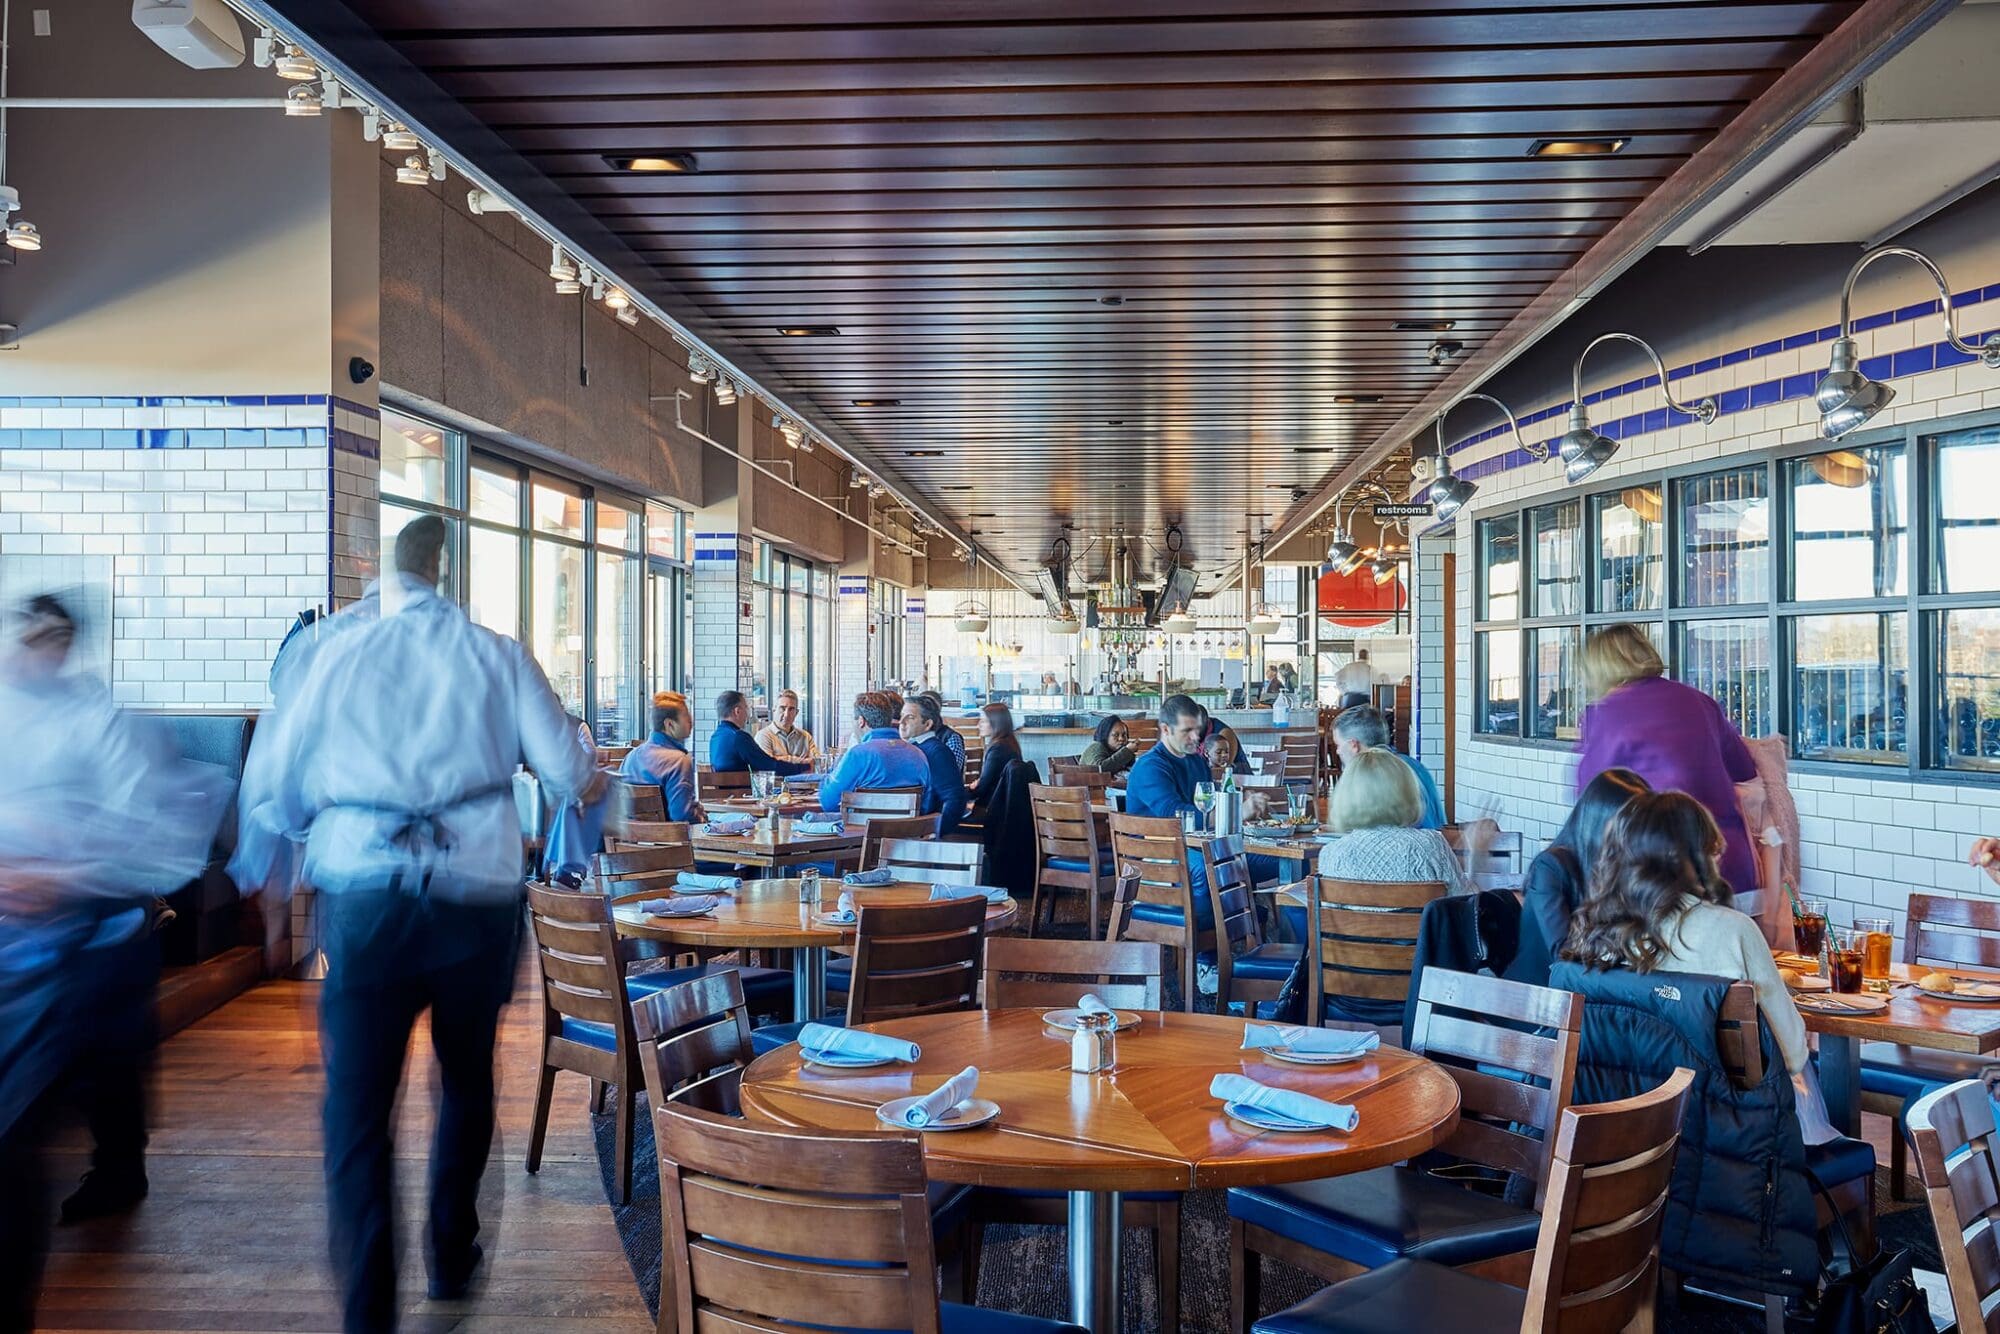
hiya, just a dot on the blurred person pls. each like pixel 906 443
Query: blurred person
pixel 879 757
pixel 576 829
pixel 782 738
pixel 923 727
pixel 1675 737
pixel 1110 750
pixel 662 759
pixel 395 761
pixel 97 816
pixel 731 748
pixel 1363 727
pixel 1986 856
pixel 1356 678
pixel 1558 880
pixel 952 740
pixel 996 729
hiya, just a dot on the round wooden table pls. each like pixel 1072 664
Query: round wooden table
pixel 767 915
pixel 1148 1124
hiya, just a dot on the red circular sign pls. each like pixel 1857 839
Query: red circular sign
pixel 1357 601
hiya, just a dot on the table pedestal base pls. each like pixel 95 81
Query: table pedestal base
pixel 808 983
pixel 1096 1269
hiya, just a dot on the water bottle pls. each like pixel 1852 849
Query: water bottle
pixel 1281 710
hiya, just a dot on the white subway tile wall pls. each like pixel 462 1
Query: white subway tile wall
pixel 723 640
pixel 850 648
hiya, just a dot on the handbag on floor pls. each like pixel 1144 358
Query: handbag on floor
pixel 1877 1296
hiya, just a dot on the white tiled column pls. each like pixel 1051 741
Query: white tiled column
pixel 914 666
pixel 354 472
pixel 722 630
pixel 850 646
pixel 1428 733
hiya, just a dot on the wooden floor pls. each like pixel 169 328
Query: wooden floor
pixel 233 1236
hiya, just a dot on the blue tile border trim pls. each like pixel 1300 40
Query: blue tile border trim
pixel 172 401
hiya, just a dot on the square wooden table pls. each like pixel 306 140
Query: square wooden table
pixel 787 848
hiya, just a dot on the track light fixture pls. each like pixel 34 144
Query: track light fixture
pixel 294 64
pixel 855 481
pixel 401 139
pixel 1845 396
pixel 304 100
pixel 1583 450
pixel 413 172
pixel 725 391
pixel 437 164
pixel 615 298
pixel 1448 493
pixel 790 430
pixel 700 369
pixel 628 315
pixel 563 269
pixel 20 233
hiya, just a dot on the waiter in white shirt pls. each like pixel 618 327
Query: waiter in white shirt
pixel 1356 678
pixel 394 760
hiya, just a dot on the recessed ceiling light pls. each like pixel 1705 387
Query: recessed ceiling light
pixel 1426 326
pixel 957 486
pixel 876 402
pixel 1115 421
pixel 1598 147
pixel 1111 299
pixel 809 331
pixel 1357 398
pixel 678 164
pixel 1311 449
pixel 923 453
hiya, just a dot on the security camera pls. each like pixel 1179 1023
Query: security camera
pixel 1440 352
pixel 360 370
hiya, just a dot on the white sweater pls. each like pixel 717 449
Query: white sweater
pixel 1722 942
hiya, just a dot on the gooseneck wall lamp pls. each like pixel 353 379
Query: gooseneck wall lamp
pixel 1342 555
pixel 1584 450
pixel 1845 396
pixel 1448 493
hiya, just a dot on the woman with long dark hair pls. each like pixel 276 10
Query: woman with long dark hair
pixel 1559 878
pixel 996 729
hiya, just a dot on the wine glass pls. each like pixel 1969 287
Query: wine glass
pixel 1204 797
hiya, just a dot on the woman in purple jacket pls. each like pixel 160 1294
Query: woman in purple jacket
pixel 1673 736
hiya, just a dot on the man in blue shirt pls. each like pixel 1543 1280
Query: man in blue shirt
pixel 1161 783
pixel 922 725
pixel 1364 728
pixel 731 748
pixel 881 758
pixel 664 758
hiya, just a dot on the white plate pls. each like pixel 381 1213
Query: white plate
pixel 970 1113
pixel 1264 1119
pixel 1986 994
pixel 1291 1057
pixel 844 1060
pixel 832 919
pixel 680 916
pixel 1066 1019
pixel 1807 981
pixel 1842 1003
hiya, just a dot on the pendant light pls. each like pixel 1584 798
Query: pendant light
pixel 1583 450
pixel 1448 493
pixel 971 616
pixel 20 234
pixel 1846 397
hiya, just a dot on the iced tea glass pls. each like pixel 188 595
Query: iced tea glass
pixel 1881 939
pixel 1844 960
pixel 1809 927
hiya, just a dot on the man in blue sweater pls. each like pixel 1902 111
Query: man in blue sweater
pixel 731 748
pixel 922 725
pixel 1161 784
pixel 663 758
pixel 881 758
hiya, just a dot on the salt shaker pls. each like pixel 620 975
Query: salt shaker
pixel 1094 1046
pixel 808 884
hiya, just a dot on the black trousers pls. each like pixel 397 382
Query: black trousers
pixel 390 957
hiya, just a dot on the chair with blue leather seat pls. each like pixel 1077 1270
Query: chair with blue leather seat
pixel 634 875
pixel 1364 934
pixel 772 1229
pixel 1052 974
pixel 1893 1076
pixel 1248 969
pixel 921 860
pixel 1512 1049
pixel 631 835
pixel 1156 892
pixel 1067 853
pixel 1597 1252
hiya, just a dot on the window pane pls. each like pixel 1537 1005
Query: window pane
pixel 1557 533
pixel 1849 683
pixel 663 532
pixel 617 524
pixel 558 620
pixel 1725 538
pixel 1849 515
pixel 1629 559
pixel 495 495
pixel 1558 681
pixel 1731 662
pixel 1500 569
pixel 391 522
pixel 1967 478
pixel 798 645
pixel 760 651
pixel 1500 677
pixel 416 459
pixel 493 580
pixel 618 706
pixel 1968 657
pixel 555 507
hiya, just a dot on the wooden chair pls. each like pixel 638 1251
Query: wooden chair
pixel 720 782
pixel 632 875
pixel 881 829
pixel 1065 762
pixel 1597 1253
pixel 1088 779
pixel 1247 968
pixel 640 801
pixel 1267 762
pixel 1939 932
pixel 917 959
pixel 975 760
pixel 633 834
pixel 1301 757
pixel 931 862
pixel 1512 1049
pixel 694 1040
pixel 1503 847
pixel 610 757
pixel 1366 942
pixel 1157 902
pixel 863 804
pixel 642 872
pixel 1952 1131
pixel 1067 854
pixel 1051 974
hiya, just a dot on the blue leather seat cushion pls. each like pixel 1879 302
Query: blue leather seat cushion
pixel 1374 1217
pixel 956 1319
pixel 1907 1072
pixel 600 1036
pixel 1841 1159
pixel 1403 1298
pixel 773 1036
pixel 759 984
pixel 1266 963
pixel 1079 864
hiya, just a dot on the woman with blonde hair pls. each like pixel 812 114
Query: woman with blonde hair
pixel 1375 808
pixel 1672 735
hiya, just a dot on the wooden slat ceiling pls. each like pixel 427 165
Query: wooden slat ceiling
pixel 955 184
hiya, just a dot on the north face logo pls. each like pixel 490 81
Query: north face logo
pixel 1667 993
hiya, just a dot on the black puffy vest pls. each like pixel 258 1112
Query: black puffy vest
pixel 1741 1206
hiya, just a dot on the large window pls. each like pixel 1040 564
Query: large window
pixel 790 640
pixel 1848 597
pixel 887 619
pixel 421 463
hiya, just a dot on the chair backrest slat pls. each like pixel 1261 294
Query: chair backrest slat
pixel 1023 973
pixel 916 959
pixel 1924 942
pixel 1953 1143
pixel 879 829
pixel 582 959
pixel 932 862
pixel 641 801
pixel 690 1032
pixel 863 804
pixel 720 782
pixel 1089 780
pixel 631 834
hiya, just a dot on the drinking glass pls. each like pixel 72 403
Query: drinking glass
pixel 1299 802
pixel 1204 796
pixel 1809 925
pixel 1881 937
pixel 1844 960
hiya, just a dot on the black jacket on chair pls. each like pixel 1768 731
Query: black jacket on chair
pixel 1740 1210
pixel 1465 933
pixel 1009 832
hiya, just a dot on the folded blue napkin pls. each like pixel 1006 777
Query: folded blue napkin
pixel 726 884
pixel 730 825
pixel 938 1105
pixel 697 905
pixel 1090 1003
pixel 853 1042
pixel 1301 1107
pixel 808 824
pixel 991 893
pixel 881 875
pixel 1316 1041
pixel 843 912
